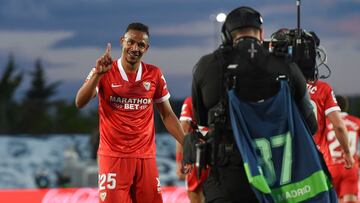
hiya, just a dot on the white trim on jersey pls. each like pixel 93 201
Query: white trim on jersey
pixel 123 73
pixel 162 99
pixel 139 73
pixel 203 129
pixel 332 109
pixel 185 118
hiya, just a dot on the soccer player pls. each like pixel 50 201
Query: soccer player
pixel 193 184
pixel 127 88
pixel 345 181
pixel 325 106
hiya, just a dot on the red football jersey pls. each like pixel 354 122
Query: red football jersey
pixel 126 112
pixel 324 102
pixel 334 153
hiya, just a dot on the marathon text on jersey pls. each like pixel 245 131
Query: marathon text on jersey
pixel 130 103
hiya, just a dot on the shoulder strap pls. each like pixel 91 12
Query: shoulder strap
pixel 221 56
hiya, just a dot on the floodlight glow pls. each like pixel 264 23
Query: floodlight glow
pixel 220 17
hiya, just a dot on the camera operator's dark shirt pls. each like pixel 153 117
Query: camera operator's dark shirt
pixel 255 82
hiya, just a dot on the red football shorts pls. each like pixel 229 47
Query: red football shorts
pixel 345 181
pixel 128 180
pixel 192 182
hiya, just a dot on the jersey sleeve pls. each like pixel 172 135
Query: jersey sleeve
pixel 330 101
pixel 161 93
pixel 186 110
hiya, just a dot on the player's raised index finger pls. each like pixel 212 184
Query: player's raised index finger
pixel 108 48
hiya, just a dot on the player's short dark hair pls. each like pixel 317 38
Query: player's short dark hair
pixel 343 102
pixel 139 27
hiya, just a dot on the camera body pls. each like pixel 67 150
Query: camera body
pixel 298 46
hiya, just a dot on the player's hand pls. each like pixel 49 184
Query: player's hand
pixel 349 160
pixel 187 168
pixel 179 171
pixel 104 63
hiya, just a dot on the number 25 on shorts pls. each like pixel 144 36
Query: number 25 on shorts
pixel 107 181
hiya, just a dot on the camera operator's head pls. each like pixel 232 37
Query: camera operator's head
pixel 242 22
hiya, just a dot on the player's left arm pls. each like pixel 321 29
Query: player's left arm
pixel 341 135
pixel 171 121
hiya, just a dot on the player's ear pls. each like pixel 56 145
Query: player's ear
pixel 122 39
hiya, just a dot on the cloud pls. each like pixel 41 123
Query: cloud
pixel 194 28
pixel 278 9
pixel 343 27
pixel 334 2
pixel 24 9
pixel 30 44
pixel 62 64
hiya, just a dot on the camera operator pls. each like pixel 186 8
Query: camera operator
pixel 227 181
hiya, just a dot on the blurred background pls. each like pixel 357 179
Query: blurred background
pixel 47 48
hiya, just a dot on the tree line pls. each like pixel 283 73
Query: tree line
pixel 36 112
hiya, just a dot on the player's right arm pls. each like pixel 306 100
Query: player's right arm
pixel 341 135
pixel 88 90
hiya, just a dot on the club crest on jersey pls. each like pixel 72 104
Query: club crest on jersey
pixel 147 85
pixel 102 196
